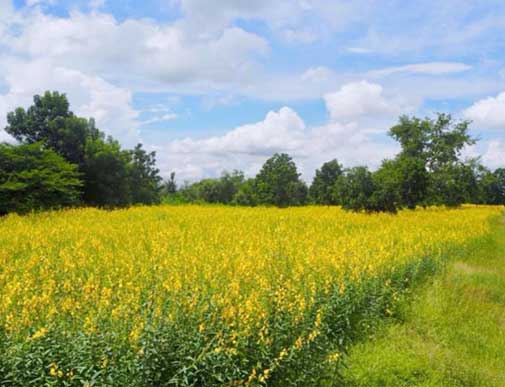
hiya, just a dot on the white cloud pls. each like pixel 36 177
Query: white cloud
pixel 140 49
pixel 359 50
pixel 433 68
pixel 163 118
pixel 494 155
pixel 488 113
pixel 248 146
pixel 90 96
pixel 360 99
pixel 317 74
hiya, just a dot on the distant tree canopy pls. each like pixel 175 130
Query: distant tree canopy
pixel 278 183
pixel 63 160
pixel 427 171
pixel 109 175
pixel 321 190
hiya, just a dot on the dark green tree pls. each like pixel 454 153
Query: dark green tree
pixel 387 188
pixel 221 190
pixel 35 178
pixel 106 174
pixel 112 177
pixel 170 186
pixel 354 189
pixel 247 194
pixel 432 147
pixel 144 179
pixel 321 189
pixel 50 121
pixel 278 182
pixel 498 196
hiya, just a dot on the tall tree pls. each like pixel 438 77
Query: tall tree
pixel 321 189
pixel 112 176
pixel 144 177
pixel 106 174
pixel 278 182
pixel 33 177
pixel 50 121
pixel 432 146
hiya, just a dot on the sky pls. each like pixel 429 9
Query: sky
pixel 214 85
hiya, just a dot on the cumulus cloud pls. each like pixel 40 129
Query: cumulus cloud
pixel 494 155
pixel 488 112
pixel 91 96
pixel 142 49
pixel 360 99
pixel 247 147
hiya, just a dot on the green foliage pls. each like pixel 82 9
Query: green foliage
pixel 221 190
pixel 50 122
pixel 354 188
pixel 278 182
pixel 33 178
pixel 321 190
pixel 170 186
pixel 144 179
pixel 387 185
pixel 431 169
pixel 247 195
pixel 111 176
pixel 106 174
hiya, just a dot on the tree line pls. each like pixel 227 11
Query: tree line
pixel 429 170
pixel 63 160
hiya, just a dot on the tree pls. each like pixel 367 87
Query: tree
pixel 386 195
pixel 112 176
pixel 247 194
pixel 278 182
pixel 499 188
pixel 50 122
pixel 221 190
pixel 491 186
pixel 106 174
pixel 144 177
pixel 430 159
pixel 170 186
pixel 321 189
pixel 34 178
pixel 354 188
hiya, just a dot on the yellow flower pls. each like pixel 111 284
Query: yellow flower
pixel 39 334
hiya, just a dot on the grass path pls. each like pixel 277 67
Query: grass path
pixel 450 333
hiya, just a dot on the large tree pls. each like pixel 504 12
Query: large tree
pixel 50 121
pixel 144 177
pixel 278 182
pixel 33 177
pixel 111 176
pixel 430 159
pixel 321 189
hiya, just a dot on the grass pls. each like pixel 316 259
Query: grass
pixel 448 333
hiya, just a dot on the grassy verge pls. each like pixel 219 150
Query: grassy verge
pixel 450 333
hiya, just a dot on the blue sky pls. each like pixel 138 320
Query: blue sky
pixel 218 85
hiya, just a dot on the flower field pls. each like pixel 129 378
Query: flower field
pixel 203 295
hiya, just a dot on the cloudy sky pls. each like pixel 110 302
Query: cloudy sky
pixel 223 84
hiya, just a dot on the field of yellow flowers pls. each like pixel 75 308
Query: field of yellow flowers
pixel 207 295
